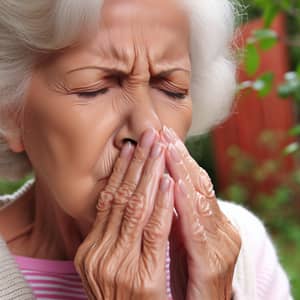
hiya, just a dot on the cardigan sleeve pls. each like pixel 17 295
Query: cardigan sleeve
pixel 12 283
pixel 271 281
pixel 258 274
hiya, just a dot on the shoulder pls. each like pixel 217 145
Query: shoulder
pixel 258 271
pixel 244 220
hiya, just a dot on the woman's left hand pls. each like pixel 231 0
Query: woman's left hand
pixel 207 244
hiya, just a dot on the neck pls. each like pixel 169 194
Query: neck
pixel 49 232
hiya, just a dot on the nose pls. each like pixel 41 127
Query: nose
pixel 141 117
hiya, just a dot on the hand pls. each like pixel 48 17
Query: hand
pixel 207 244
pixel 124 255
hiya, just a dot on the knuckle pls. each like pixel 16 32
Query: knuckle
pixel 113 183
pixel 154 232
pixel 186 156
pixel 127 189
pixel 206 187
pixel 138 200
pixel 198 232
pixel 136 208
pixel 203 206
pixel 187 178
pixel 105 200
pixel 124 192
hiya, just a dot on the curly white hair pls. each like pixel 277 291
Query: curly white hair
pixel 30 29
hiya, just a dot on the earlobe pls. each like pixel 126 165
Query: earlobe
pixel 15 142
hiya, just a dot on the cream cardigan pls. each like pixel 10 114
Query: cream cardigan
pixel 258 274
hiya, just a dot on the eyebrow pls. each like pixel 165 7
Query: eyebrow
pixel 105 69
pixel 159 73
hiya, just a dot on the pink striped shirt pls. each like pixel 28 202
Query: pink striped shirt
pixel 56 279
pixel 51 279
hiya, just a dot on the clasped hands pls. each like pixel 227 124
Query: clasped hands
pixel 124 255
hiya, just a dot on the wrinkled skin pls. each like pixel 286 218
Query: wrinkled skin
pixel 204 244
pixel 112 212
pixel 123 256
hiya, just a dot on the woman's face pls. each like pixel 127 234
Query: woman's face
pixel 82 104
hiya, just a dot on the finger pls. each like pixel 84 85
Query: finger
pixel 107 195
pixel 130 181
pixel 171 137
pixel 177 169
pixel 193 232
pixel 181 175
pixel 103 210
pixel 140 204
pixel 197 173
pixel 157 230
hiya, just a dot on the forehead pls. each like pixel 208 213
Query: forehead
pixel 155 12
pixel 160 28
pixel 153 29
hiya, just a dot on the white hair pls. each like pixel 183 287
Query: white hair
pixel 31 28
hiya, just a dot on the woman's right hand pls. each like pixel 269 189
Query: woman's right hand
pixel 124 255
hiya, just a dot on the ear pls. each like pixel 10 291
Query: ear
pixel 13 135
pixel 15 141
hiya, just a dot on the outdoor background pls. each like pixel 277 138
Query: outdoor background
pixel 254 157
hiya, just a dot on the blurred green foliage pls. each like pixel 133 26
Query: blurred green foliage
pixel 8 187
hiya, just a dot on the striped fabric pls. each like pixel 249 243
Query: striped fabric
pixel 55 279
pixel 51 279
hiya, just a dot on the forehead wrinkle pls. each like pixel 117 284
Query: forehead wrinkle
pixel 109 53
pixel 133 44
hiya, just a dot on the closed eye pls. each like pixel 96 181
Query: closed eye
pixel 92 94
pixel 179 96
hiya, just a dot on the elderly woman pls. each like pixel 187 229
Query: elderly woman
pixel 96 99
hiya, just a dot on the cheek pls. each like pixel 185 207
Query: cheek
pixel 78 198
pixel 68 145
pixel 176 114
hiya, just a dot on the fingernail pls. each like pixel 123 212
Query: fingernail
pixel 182 188
pixel 168 135
pixel 156 150
pixel 165 183
pixel 126 150
pixel 174 153
pixel 148 138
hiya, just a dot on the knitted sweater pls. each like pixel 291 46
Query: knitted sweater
pixel 258 274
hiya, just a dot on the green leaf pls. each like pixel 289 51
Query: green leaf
pixel 267 38
pixel 264 84
pixel 295 131
pixel 298 70
pixel 252 59
pixel 291 148
pixel 270 12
